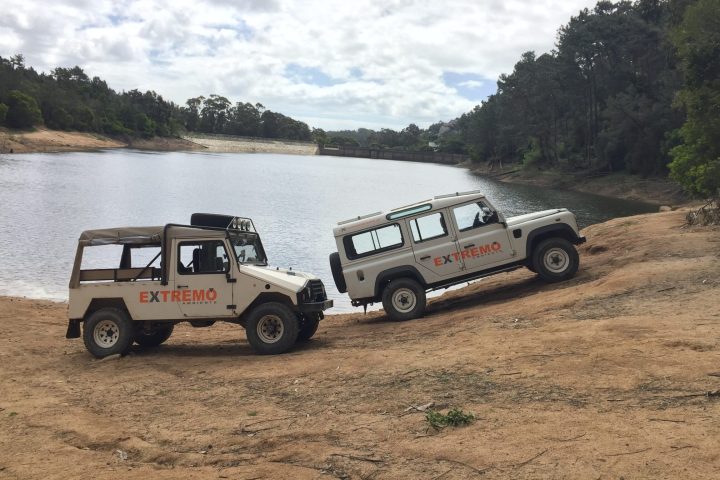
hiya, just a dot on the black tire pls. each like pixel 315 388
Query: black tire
pixel 152 334
pixel 272 328
pixel 308 326
pixel 337 272
pixel 555 260
pixel 404 299
pixel 108 331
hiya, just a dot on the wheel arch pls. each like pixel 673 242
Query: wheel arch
pixel 562 230
pixel 387 276
pixel 267 297
pixel 98 303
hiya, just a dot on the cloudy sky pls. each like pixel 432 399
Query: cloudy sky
pixel 333 64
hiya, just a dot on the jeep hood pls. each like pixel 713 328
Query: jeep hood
pixel 513 221
pixel 281 277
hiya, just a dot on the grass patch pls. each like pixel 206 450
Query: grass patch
pixel 252 414
pixel 454 418
pixel 12 414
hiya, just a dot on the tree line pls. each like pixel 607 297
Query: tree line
pixel 630 86
pixel 68 99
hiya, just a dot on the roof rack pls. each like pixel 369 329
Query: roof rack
pixel 457 194
pixel 355 219
pixel 412 204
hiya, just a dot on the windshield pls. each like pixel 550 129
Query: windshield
pixel 248 248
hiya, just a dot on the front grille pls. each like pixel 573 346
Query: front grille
pixel 317 291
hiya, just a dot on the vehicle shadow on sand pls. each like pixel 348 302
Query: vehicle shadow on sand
pixel 227 348
pixel 494 292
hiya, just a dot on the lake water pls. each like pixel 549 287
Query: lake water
pixel 46 200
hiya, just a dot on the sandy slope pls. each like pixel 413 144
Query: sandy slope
pixel 604 376
pixel 44 140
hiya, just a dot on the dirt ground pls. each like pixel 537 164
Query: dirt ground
pixel 614 374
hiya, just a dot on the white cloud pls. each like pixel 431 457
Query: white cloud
pixel 386 59
pixel 471 84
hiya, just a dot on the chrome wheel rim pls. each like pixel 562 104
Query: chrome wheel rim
pixel 556 260
pixel 270 328
pixel 404 300
pixel 106 333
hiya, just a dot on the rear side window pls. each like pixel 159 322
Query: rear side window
pixel 428 227
pixel 373 241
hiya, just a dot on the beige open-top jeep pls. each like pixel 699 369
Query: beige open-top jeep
pixel 214 269
pixel 396 256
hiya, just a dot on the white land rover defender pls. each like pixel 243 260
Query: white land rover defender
pixel 395 257
pixel 214 269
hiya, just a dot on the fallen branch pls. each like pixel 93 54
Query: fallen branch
pixel 522 464
pixel 355 457
pixel 665 420
pixel 475 469
pixel 627 453
pixel 567 439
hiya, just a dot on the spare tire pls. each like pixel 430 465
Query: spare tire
pixel 337 273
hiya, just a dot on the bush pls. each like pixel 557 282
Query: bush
pixel 23 111
pixel 454 418
pixel 3 112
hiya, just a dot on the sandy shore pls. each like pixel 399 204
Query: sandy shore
pixel 605 376
pixel 228 144
pixel 45 140
pixel 657 190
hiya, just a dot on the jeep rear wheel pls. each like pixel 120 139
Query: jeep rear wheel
pixel 108 331
pixel 152 334
pixel 404 299
pixel 555 259
pixel 272 328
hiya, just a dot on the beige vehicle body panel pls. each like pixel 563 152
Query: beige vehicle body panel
pixel 456 251
pixel 224 294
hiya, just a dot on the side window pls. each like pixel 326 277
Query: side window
pixel 428 227
pixel 473 215
pixel 207 256
pixel 373 241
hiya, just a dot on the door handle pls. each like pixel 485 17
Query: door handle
pixel 425 257
pixel 469 246
pixel 181 286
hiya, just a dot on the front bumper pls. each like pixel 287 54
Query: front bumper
pixel 315 306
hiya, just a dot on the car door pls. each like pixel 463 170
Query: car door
pixel 482 240
pixel 434 245
pixel 201 282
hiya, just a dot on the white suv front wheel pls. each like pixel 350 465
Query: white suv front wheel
pixel 555 259
pixel 404 299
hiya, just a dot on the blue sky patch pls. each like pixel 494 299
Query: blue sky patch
pixel 471 86
pixel 309 75
pixel 240 27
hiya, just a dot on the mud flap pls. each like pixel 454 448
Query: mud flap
pixel 73 330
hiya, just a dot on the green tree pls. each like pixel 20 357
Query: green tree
pixel 3 112
pixel 696 162
pixel 23 111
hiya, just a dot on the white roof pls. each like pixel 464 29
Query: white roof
pixel 379 218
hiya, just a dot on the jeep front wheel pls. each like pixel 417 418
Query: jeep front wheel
pixel 152 334
pixel 555 259
pixel 308 326
pixel 272 328
pixel 108 331
pixel 404 299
